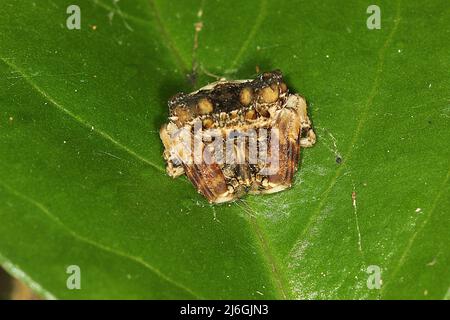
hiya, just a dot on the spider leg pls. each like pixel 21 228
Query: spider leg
pixel 308 137
pixel 290 123
pixel 209 181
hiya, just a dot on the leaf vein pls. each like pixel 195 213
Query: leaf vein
pixel 77 118
pixel 165 34
pixel 256 26
pixel 361 122
pixel 265 249
pixel 419 230
pixel 159 22
pixel 93 243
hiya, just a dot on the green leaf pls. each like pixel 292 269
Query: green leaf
pixel 82 179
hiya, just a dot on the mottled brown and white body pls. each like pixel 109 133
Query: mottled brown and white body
pixel 249 115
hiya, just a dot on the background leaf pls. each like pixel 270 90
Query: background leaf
pixel 82 180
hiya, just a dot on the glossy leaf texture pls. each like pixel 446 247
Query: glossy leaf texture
pixel 82 179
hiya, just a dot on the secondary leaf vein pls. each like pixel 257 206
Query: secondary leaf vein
pixel 256 26
pixel 93 243
pixel 411 241
pixel 78 118
pixel 361 122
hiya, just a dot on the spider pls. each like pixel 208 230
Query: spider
pixel 236 137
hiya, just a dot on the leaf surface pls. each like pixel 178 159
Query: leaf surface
pixel 82 180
